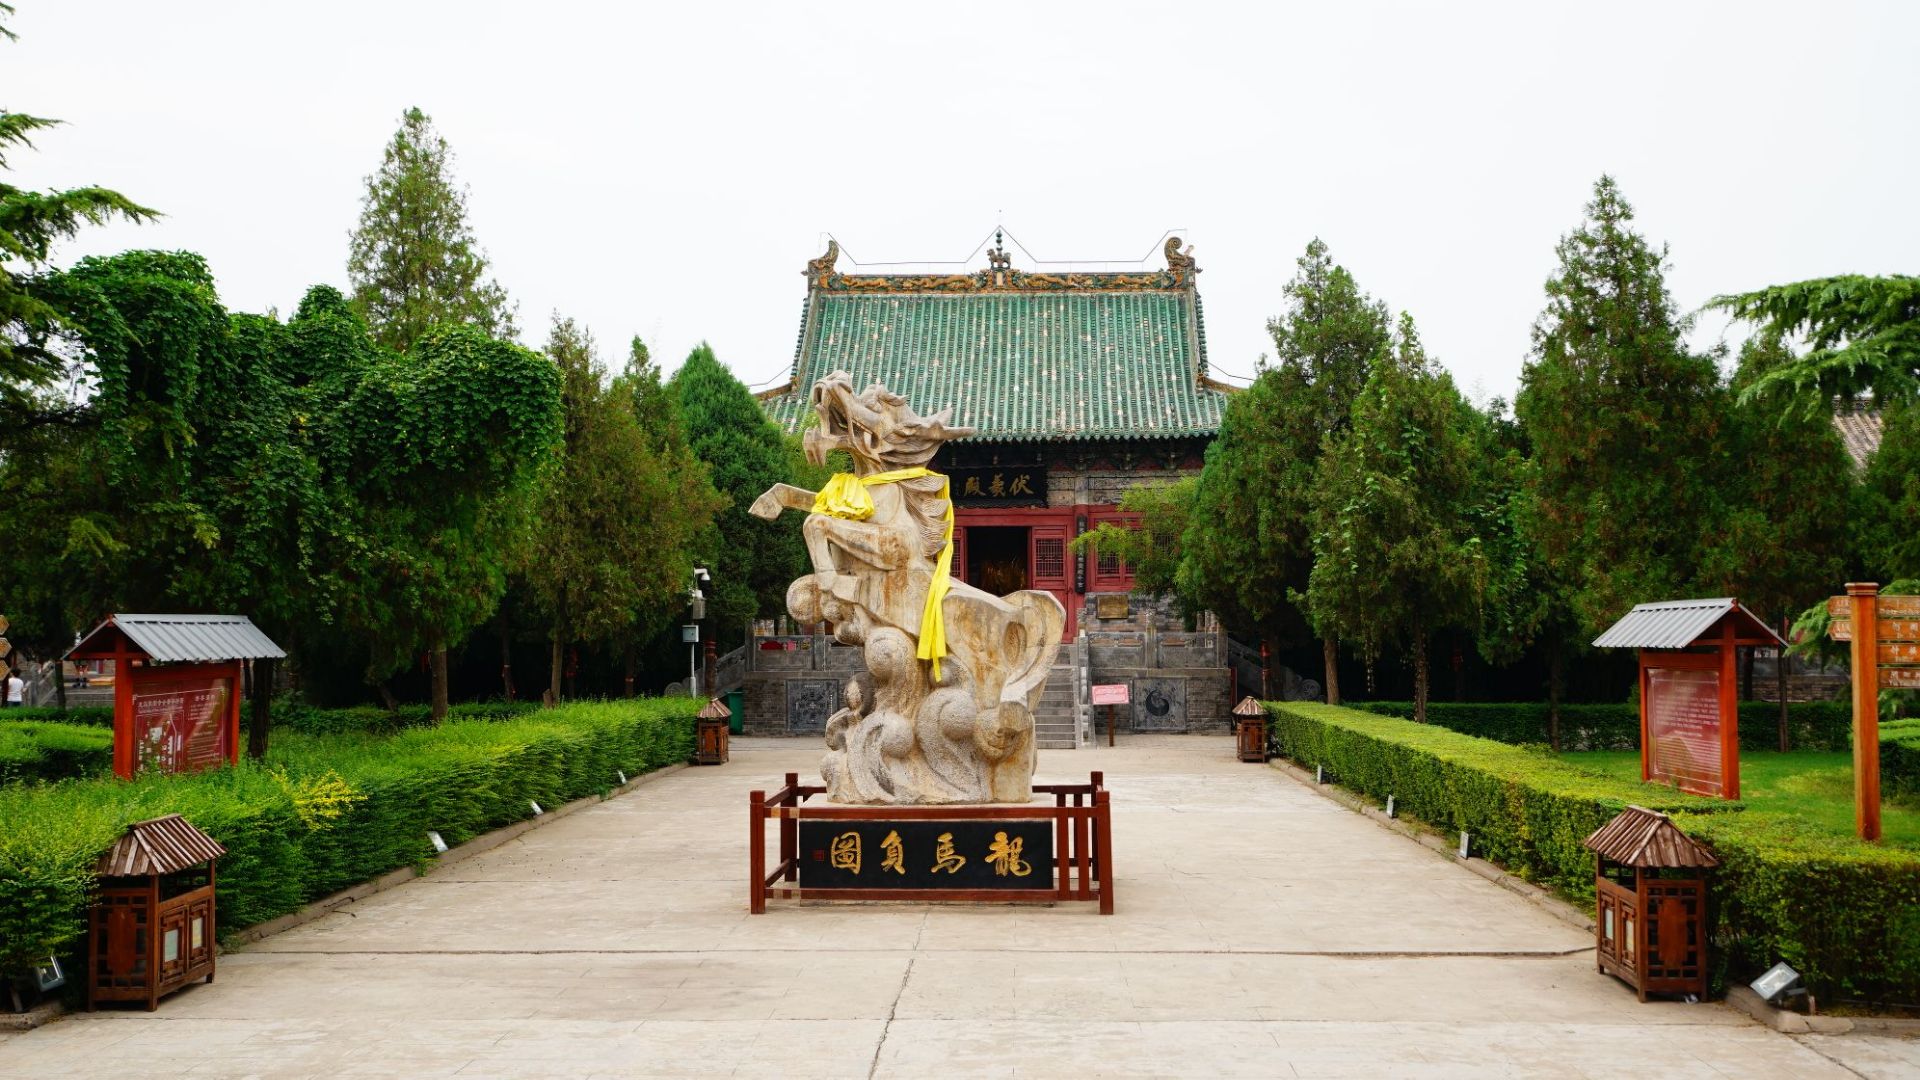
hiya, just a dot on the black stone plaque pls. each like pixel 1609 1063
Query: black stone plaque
pixel 926 854
pixel 1010 485
pixel 809 703
pixel 1160 704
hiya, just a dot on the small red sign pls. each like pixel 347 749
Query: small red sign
pixel 1110 693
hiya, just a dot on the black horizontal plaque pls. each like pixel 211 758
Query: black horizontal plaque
pixel 1012 855
pixel 1011 485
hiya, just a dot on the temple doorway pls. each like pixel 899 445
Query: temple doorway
pixel 997 558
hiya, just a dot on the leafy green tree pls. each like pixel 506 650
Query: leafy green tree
pixel 1623 420
pixel 1396 554
pixel 1526 601
pixel 618 517
pixel 752 561
pixel 36 320
pixel 413 261
pixel 1247 548
pixel 1863 333
pixel 435 458
pixel 1151 547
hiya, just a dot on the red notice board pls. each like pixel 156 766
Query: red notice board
pixel 1689 722
pixel 177 718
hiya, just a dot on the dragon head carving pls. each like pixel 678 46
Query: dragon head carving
pixel 876 426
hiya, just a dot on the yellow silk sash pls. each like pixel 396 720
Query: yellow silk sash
pixel 845 496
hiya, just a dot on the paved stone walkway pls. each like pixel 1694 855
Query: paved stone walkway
pixel 1262 931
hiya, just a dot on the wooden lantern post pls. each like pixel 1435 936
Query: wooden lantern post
pixel 1649 925
pixel 711 726
pixel 1251 726
pixel 151 927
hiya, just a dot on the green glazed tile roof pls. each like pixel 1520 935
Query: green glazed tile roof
pixel 1032 364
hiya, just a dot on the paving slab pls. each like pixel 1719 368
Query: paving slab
pixel 1261 931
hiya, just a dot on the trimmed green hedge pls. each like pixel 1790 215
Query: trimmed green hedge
pixel 1900 757
pixel 80 716
pixel 1527 809
pixel 1811 725
pixel 290 714
pixel 324 812
pixel 37 751
pixel 1845 913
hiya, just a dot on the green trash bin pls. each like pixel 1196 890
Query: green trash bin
pixel 737 706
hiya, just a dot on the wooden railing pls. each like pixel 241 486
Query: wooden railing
pixel 1081 817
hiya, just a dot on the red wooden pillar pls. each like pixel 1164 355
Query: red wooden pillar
pixel 757 846
pixel 1646 762
pixel 1729 713
pixel 233 711
pixel 125 751
pixel 1864 600
pixel 1103 848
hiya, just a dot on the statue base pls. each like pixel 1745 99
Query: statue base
pixel 999 853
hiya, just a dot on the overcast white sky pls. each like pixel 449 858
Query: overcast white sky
pixel 668 169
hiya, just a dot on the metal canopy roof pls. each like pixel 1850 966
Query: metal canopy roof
pixel 1676 624
pixel 1640 837
pixel 183 638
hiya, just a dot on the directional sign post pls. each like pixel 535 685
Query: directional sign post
pixel 1884 632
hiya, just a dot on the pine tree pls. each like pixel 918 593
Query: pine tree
pixel 1886 509
pixel 1623 420
pixel 617 519
pixel 37 316
pixel 752 561
pixel 1247 549
pixel 1396 555
pixel 1864 334
pixel 413 261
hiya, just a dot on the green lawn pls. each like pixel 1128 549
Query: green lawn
pixel 1814 787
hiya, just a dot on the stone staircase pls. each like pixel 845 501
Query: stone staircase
pixel 1056 722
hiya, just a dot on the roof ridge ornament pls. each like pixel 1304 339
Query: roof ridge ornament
pixel 997 258
pixel 820 269
pixel 1178 261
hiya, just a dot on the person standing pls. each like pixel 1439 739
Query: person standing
pixel 16 690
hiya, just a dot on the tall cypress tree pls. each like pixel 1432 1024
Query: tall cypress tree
pixel 752 561
pixel 1396 555
pixel 1247 548
pixel 619 516
pixel 413 261
pixel 1623 420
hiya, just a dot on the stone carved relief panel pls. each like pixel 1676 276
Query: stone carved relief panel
pixel 809 703
pixel 1160 704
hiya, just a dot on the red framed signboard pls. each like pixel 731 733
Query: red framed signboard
pixel 1684 736
pixel 1690 720
pixel 183 718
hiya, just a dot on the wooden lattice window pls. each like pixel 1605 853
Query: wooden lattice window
pixel 1109 565
pixel 1049 557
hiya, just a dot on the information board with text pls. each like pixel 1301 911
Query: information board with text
pixel 1683 730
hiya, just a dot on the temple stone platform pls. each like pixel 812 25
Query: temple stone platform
pixel 1262 931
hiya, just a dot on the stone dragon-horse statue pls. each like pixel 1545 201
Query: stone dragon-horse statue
pixel 944 711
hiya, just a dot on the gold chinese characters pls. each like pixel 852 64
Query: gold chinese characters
pixel 945 858
pixel 1004 854
pixel 845 853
